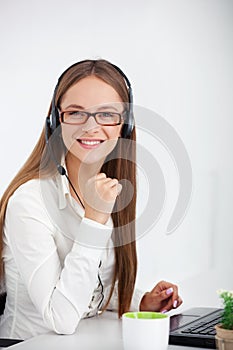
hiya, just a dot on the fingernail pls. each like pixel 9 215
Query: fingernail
pixel 169 291
pixel 164 311
pixel 175 304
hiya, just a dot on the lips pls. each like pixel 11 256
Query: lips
pixel 87 143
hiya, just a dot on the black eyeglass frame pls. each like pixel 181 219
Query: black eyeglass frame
pixel 88 115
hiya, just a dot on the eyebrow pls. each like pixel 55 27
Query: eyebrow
pixel 105 107
pixel 73 106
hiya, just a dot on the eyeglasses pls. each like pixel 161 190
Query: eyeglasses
pixel 81 117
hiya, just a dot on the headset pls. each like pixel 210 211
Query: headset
pixel 53 122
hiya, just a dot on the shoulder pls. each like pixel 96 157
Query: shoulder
pixel 25 191
pixel 31 185
pixel 29 203
pixel 28 195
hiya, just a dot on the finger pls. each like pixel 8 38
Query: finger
pixel 170 298
pixel 103 180
pixel 161 286
pixel 170 305
pixel 114 182
pixel 176 302
pixel 95 178
pixel 119 188
pixel 172 292
pixel 167 306
pixel 107 183
pixel 100 176
pixel 175 296
pixel 166 294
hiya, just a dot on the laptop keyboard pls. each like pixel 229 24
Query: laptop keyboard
pixel 205 327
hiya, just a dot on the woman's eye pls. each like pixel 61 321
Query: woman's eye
pixel 106 115
pixel 76 114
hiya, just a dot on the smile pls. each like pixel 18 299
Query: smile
pixel 90 143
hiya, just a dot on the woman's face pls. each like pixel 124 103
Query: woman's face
pixel 91 142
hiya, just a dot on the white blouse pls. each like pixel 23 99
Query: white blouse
pixel 56 262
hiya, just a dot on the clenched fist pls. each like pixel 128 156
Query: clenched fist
pixel 99 195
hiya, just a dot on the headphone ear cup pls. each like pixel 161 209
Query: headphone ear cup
pixel 54 119
pixel 128 126
pixel 126 130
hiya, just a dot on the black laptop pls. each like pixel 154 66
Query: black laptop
pixel 195 327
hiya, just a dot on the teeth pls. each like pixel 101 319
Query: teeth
pixel 90 143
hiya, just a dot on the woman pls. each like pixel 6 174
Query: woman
pixel 68 224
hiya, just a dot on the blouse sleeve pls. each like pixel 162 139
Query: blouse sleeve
pixel 61 294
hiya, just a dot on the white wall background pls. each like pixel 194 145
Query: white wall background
pixel 178 56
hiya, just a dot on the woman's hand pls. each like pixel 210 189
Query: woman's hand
pixel 100 194
pixel 163 297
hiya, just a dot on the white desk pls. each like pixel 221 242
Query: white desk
pixel 97 333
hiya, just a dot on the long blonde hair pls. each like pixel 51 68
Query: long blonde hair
pixel 121 166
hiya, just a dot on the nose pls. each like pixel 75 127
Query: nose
pixel 91 125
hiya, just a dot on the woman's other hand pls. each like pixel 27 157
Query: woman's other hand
pixel 163 297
